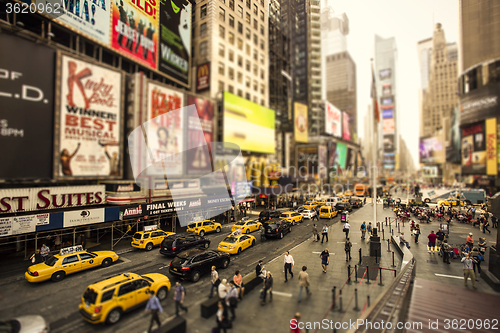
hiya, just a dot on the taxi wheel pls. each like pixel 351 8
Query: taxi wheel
pixel 58 276
pixel 114 316
pixel 149 246
pixel 218 229
pixel 253 242
pixel 196 276
pixel 239 250
pixel 202 233
pixel 106 262
pixel 162 293
pixel 248 231
pixel 225 263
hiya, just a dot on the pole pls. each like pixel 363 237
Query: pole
pixel 112 227
pixel 356 308
pixel 333 296
pixel 349 274
pixel 393 260
pixel 388 248
pixel 355 273
pixel 380 273
pixel 374 156
pixel 359 256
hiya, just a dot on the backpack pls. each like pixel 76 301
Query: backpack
pixel 348 246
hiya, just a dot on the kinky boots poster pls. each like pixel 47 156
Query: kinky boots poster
pixel 89 120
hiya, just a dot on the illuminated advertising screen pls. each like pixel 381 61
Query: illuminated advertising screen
pixel 386 90
pixel 389 144
pixel 387 113
pixel 248 125
pixel 333 120
pixel 431 150
pixel 198 160
pixel 341 155
pixel 385 74
pixel 453 149
pixel 474 148
pixel 332 154
pixel 300 123
pixel 346 131
pixel 430 171
pixel 388 126
pixel 307 160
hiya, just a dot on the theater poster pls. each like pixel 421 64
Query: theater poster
pixel 198 139
pixel 135 30
pixel 89 120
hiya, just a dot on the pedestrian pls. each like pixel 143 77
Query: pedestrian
pixel 348 246
pixel 432 241
pixel 364 201
pixel 268 286
pixel 417 233
pixel 179 298
pixel 440 238
pixel 304 282
pixel 84 240
pixel 315 233
pixel 44 251
pixel 238 281
pixel 324 233
pixel 315 215
pixel 223 322
pixel 289 263
pixel 232 299
pixel 468 262
pixel 482 245
pixel 494 221
pixel 79 239
pixel 369 228
pixel 294 324
pixel 325 259
pixel 223 289
pixel 36 257
pixel 476 255
pixel 154 306
pixel 485 226
pixel 363 230
pixel 469 241
pixel 347 226
pixel 446 252
pixel 214 280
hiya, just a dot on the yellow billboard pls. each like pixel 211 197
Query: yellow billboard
pixel 491 147
pixel 300 123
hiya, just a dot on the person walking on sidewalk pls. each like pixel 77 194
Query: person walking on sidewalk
pixel 44 251
pixel 432 241
pixel 468 262
pixel 347 226
pixel 232 299
pixel 214 280
pixel 486 224
pixel 324 234
pixel 179 298
pixel 369 228
pixel 289 263
pixel 440 238
pixel 223 322
pixel 315 233
pixel 348 246
pixel 416 233
pixel 304 282
pixel 294 324
pixel 223 289
pixel 268 286
pixel 446 252
pixel 154 306
pixel 363 230
pixel 325 259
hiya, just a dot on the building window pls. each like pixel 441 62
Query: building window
pixel 231 4
pixel 240 93
pixel 222 31
pixel 221 68
pixel 240 27
pixel 255 9
pixel 255 55
pixel 262 44
pixel 231 38
pixel 231 55
pixel 247 82
pixel 240 61
pixel 231 73
pixel 230 89
pixel 240 78
pixel 247 66
pixel 223 1
pixel 255 86
pixel 255 99
pixel 240 44
pixel 203 11
pixel 262 102
pixel 222 14
pixel 248 49
pixel 221 86
pixel 262 30
pixel 249 4
pixel 247 18
pixel 247 96
pixel 255 70
pixel 222 51
pixel 262 74
pixel 203 29
pixel 203 48
pixel 262 89
pixel 231 21
pixel 255 40
pixel 262 59
pixel 255 24
pixel 248 34
pixel 262 16
pixel 262 3
pixel 240 11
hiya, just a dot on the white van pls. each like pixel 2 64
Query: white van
pixel 332 201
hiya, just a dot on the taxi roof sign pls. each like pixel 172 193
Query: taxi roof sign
pixel 71 249
pixel 150 227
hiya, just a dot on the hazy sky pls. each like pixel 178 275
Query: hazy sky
pixel 409 21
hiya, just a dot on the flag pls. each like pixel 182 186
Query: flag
pixel 376 113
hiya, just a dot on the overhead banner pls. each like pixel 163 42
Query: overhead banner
pixel 169 142
pixel 175 40
pixel 26 108
pixel 82 217
pixel 491 147
pixel 17 225
pixel 198 160
pixel 203 77
pixel 346 131
pixel 474 149
pixel 333 120
pixel 135 30
pixel 90 121
pixel 301 123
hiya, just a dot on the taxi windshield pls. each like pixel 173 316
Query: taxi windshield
pixel 230 239
pixel 137 235
pixel 240 223
pixel 324 210
pixel 51 261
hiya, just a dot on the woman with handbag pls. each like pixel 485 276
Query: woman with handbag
pixel 223 322
pixel 325 259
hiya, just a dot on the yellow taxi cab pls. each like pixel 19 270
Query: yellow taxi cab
pixel 454 202
pixel 236 242
pixel 69 260
pixel 148 239
pixel 246 227
pixel 203 227
pixel 327 212
pixel 106 301
pixel 310 205
pixel 292 217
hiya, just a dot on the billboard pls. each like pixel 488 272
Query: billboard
pixel 491 147
pixel 134 30
pixel 17 225
pixel 341 155
pixel 322 161
pixel 479 104
pixel 386 90
pixel 333 118
pixel 203 77
pixel 389 145
pixel 332 155
pixel 389 160
pixel 89 121
pixel 198 160
pixel 77 218
pixel 430 171
pixel 388 126
pixel 387 113
pixel 248 125
pixel 453 149
pixel 384 101
pixel 474 148
pixel 300 123
pixel 27 107
pixel 385 74
pixel 168 143
pixel 175 40
pixel 346 131
pixel 307 160
pixel 431 150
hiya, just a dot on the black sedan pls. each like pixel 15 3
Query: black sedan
pixel 356 203
pixel 192 264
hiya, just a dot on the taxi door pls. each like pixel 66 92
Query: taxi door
pixel 252 226
pixel 71 264
pixel 245 242
pixel 142 290
pixel 208 226
pixel 127 296
pixel 158 237
pixel 87 261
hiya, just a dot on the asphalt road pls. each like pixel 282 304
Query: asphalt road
pixel 58 302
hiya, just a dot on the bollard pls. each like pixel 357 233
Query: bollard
pixel 386 221
pixel 359 256
pixel 349 274
pixel 389 220
pixel 393 260
pixel 368 300
pixel 394 273
pixel 383 233
pixel 388 248
pixel 380 273
pixel 367 275
pixel 355 273
pixel 333 296
pixel 392 232
pixel 340 300
pixel 399 230
pixel 356 308
pixel 403 222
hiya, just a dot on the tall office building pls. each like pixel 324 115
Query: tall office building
pixel 314 63
pixel 385 73
pixel 232 36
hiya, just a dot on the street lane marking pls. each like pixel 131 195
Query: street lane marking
pixel 317 252
pixel 279 293
pixel 450 276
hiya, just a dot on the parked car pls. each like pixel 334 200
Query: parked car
pixel 356 203
pixel 267 215
pixel 192 264
pixel 341 206
pixel 25 324
pixel 276 228
pixel 177 243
